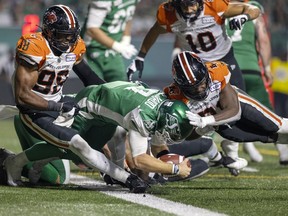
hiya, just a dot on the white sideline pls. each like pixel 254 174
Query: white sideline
pixel 147 199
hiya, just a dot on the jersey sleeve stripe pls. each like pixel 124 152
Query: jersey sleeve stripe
pixel 261 108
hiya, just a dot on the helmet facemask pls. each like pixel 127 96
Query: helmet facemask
pixel 182 5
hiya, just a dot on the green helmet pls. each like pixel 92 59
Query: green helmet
pixel 172 122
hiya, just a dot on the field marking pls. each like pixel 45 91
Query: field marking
pixel 142 199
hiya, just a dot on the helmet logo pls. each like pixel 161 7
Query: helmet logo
pixel 172 124
pixel 51 17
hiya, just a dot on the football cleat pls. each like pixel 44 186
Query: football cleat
pixel 4 153
pixel 198 168
pixel 135 184
pixel 236 163
pixel 111 181
pixel 228 162
pixel 13 172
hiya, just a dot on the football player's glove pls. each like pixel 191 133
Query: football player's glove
pixel 136 65
pixel 237 22
pixel 198 121
pixel 69 109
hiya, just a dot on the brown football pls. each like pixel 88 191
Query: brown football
pixel 172 158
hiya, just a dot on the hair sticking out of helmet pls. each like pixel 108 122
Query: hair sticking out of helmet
pixel 182 8
pixel 60 27
pixel 172 124
pixel 191 75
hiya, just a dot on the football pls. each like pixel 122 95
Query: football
pixel 172 158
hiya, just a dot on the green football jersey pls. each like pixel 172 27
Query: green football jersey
pixel 111 17
pixel 129 105
pixel 244 46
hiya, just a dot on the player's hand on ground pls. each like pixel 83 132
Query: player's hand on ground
pixel 136 65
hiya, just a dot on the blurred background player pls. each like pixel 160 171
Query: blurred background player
pixel 251 44
pixel 107 35
pixel 200 28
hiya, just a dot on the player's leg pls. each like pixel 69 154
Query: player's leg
pixel 49 171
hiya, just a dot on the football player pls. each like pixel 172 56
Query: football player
pixel 200 27
pixel 142 112
pixel 107 33
pixel 43 63
pixel 217 105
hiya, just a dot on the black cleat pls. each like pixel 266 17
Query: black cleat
pixel 284 163
pixel 136 184
pixel 3 174
pixel 111 181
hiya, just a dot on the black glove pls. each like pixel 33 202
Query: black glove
pixel 69 109
pixel 237 22
pixel 136 65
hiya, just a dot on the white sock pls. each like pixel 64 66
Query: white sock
pixel 96 159
pixel 213 153
pixel 283 151
pixel 230 148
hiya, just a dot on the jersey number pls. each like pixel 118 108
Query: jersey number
pixel 206 40
pixel 47 84
pixel 118 23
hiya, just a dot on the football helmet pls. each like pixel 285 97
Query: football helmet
pixel 172 123
pixel 60 27
pixel 188 17
pixel 190 74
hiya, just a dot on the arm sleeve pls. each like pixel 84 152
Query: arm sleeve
pixel 86 74
pixel 138 143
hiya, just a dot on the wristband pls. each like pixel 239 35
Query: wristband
pixel 54 106
pixel 175 169
pixel 161 153
pixel 267 68
pixel 248 16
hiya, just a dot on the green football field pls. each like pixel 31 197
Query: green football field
pixel 251 193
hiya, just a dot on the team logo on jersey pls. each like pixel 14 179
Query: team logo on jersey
pixel 207 20
pixel 215 86
pixel 51 17
pixel 70 57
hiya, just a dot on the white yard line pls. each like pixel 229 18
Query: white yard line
pixel 147 199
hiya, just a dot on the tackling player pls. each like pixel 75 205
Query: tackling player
pixel 43 63
pixel 216 105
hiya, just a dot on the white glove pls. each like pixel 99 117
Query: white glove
pixel 126 50
pixel 126 39
pixel 237 22
pixel 199 121
pixel 207 130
